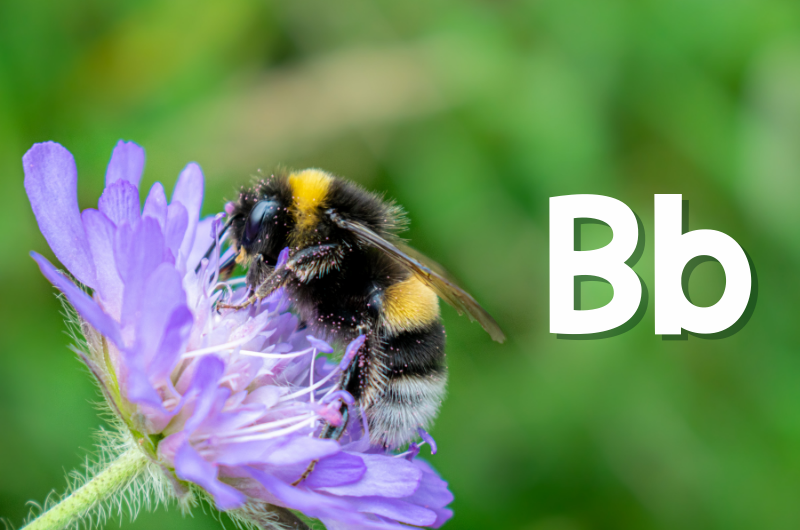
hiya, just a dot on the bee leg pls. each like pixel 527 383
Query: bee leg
pixel 257 272
pixel 332 432
pixel 315 262
pixel 250 301
pixel 274 279
pixel 303 265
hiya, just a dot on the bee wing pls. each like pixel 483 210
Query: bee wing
pixel 411 252
pixel 431 273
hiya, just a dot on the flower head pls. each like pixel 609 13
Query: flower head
pixel 234 401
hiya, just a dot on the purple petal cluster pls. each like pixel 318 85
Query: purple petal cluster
pixel 232 401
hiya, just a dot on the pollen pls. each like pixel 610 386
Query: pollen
pixel 241 257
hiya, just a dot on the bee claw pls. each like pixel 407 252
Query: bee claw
pixel 306 473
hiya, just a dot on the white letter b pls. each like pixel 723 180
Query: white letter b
pixel 607 263
pixel 673 250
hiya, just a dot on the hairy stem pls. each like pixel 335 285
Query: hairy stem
pixel 117 475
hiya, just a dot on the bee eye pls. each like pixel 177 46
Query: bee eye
pixel 262 212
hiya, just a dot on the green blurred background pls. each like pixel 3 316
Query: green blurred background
pixel 471 114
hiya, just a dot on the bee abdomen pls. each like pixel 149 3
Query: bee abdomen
pixel 417 376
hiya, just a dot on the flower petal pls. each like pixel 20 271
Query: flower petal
pixel 300 498
pixel 138 251
pixel 428 438
pixel 372 523
pixel 51 181
pixel 432 493
pixel 120 203
pixel 127 163
pixel 173 342
pixel 432 489
pixel 442 516
pixel 100 232
pixel 319 344
pixel 396 509
pixel 189 192
pixel 207 374
pixel 162 298
pixel 168 447
pixel 155 205
pixel 268 395
pixel 283 257
pixel 301 449
pixel 237 418
pixel 351 351
pixel 237 454
pixel 387 477
pixel 336 470
pixel 82 302
pixel 138 389
pixel 189 465
pixel 177 222
pixel 202 242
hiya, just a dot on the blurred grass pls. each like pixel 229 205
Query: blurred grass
pixel 471 115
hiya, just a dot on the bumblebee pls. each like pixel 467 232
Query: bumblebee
pixel 348 274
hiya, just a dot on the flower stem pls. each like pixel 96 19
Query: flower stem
pixel 114 477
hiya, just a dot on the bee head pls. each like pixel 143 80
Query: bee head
pixel 260 229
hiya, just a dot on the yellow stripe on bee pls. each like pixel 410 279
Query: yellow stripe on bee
pixel 409 305
pixel 309 192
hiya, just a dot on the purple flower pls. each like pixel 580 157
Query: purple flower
pixel 234 401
